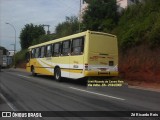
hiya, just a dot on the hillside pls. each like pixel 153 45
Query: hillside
pixel 140 24
pixel 138 32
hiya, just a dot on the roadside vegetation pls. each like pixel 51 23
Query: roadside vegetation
pixel 20 58
pixel 139 24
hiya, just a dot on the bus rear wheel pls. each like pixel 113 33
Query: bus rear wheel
pixel 57 74
pixel 33 71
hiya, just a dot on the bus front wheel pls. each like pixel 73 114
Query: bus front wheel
pixel 57 74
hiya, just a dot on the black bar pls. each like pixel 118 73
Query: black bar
pixel 82 113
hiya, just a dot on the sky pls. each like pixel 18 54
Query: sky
pixel 22 12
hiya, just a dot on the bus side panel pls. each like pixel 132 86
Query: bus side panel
pixel 44 66
pixel 63 64
pixel 76 66
pixel 28 67
pixel 41 65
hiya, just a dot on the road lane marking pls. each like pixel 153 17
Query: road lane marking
pixel 8 103
pixel 97 93
pixel 23 76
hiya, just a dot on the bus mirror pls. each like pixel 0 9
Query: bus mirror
pixel 27 57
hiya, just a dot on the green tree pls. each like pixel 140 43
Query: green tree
pixel 44 38
pixel 29 33
pixel 68 27
pixel 4 50
pixel 101 15
pixel 139 24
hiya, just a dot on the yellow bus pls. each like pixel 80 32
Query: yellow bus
pixel 82 55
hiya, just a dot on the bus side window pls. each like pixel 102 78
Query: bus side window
pixel 77 46
pixel 48 51
pixel 37 53
pixel 65 48
pixel 42 51
pixel 33 53
pixel 56 49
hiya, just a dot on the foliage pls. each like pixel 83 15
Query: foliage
pixel 4 50
pixel 68 27
pixel 44 38
pixel 101 15
pixel 20 56
pixel 154 38
pixel 29 33
pixel 139 24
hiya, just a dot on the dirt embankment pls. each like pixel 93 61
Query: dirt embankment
pixel 140 64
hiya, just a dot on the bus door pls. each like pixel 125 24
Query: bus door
pixel 77 58
pixel 47 62
pixel 64 59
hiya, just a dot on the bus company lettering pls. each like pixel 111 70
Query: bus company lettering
pixel 28 114
pixel 34 115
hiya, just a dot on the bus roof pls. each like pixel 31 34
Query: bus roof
pixel 70 37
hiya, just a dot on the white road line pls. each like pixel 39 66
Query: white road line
pixel 23 76
pixel 8 103
pixel 97 93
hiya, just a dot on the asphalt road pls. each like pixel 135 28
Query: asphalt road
pixel 19 91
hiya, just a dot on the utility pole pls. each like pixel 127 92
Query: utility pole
pixel 80 16
pixel 14 44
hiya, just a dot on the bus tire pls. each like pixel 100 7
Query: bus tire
pixel 33 71
pixel 57 74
